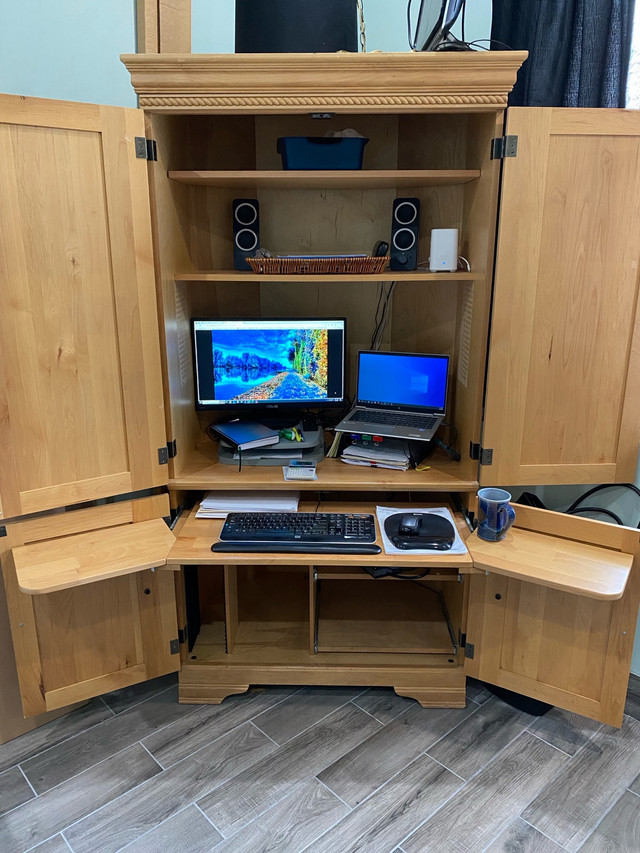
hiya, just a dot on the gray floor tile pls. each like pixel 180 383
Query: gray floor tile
pixel 236 803
pixel 522 838
pixel 14 790
pixel 53 845
pixel 44 816
pixel 191 733
pixel 289 826
pixel 122 700
pixel 393 811
pixel 383 703
pixel 633 697
pixel 565 730
pixel 54 766
pixel 619 832
pixel 129 817
pixel 473 743
pixel 304 709
pixel 189 831
pixel 477 691
pixel 487 804
pixel 358 773
pixel 570 807
pixel 24 747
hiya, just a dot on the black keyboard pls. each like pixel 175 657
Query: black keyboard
pixel 393 419
pixel 319 532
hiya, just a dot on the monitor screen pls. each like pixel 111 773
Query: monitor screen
pixel 403 380
pixel 269 363
pixel 435 19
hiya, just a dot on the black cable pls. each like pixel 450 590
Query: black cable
pixel 409 24
pixel 464 14
pixel 608 512
pixel 491 41
pixel 600 488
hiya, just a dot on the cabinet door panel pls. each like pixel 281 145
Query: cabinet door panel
pixel 83 641
pixel 80 386
pixel 563 386
pixel 540 635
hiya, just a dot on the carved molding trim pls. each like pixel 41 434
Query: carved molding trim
pixel 308 102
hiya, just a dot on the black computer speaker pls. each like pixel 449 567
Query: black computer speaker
pixel 405 223
pixel 246 231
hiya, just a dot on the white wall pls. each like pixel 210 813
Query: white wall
pixel 69 49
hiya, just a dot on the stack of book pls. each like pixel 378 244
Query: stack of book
pixel 390 453
pixel 218 504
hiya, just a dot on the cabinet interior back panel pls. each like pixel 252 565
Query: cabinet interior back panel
pixel 585 300
pixel 58 317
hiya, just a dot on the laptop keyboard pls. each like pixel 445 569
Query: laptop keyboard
pixel 393 419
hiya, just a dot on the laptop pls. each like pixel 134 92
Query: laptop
pixel 400 395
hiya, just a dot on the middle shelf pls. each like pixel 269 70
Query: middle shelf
pixel 330 179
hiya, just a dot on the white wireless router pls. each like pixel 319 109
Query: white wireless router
pixel 444 250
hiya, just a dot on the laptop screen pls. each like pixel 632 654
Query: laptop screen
pixel 403 380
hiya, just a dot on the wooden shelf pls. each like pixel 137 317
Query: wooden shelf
pixel 233 276
pixel 397 618
pixel 340 179
pixel 200 469
pixel 71 561
pixel 193 546
pixel 564 564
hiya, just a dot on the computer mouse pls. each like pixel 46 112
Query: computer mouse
pixel 409 525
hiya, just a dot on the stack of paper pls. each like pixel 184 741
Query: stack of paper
pixel 218 504
pixel 391 453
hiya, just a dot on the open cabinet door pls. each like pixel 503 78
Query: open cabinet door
pixel 81 405
pixel 554 613
pixel 563 386
pixel 91 607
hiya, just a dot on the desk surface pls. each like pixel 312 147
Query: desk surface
pixel 196 535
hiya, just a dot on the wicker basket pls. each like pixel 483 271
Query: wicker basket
pixel 318 266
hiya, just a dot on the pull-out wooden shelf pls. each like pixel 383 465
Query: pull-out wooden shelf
pixel 563 564
pixel 71 561
pixel 193 547
pixel 200 469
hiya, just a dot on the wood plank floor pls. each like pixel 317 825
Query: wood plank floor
pixel 322 770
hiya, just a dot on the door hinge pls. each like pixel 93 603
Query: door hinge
pixel 146 149
pixel 3 530
pixel 174 646
pixel 463 640
pixel 469 650
pixel 484 454
pixel 504 146
pixel 172 448
pixel 182 635
pixel 163 455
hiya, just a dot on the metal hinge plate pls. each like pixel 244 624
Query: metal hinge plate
pixel 504 146
pixel 469 650
pixel 146 149
pixel 182 635
pixel 163 455
pixel 174 646
pixel 3 530
pixel 172 448
pixel 484 454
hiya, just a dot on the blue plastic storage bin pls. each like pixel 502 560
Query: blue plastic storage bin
pixel 321 152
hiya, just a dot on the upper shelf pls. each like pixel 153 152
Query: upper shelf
pixel 387 275
pixel 328 179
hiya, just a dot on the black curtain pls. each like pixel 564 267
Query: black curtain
pixel 578 50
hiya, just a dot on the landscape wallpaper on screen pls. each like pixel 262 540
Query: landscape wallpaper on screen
pixel 270 364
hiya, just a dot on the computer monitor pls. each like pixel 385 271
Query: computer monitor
pixel 261 365
pixel 435 19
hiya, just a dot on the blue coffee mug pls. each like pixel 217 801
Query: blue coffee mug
pixel 496 514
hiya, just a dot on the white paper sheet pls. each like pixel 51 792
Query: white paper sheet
pixel 383 512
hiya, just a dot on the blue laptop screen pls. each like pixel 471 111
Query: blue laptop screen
pixel 404 381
